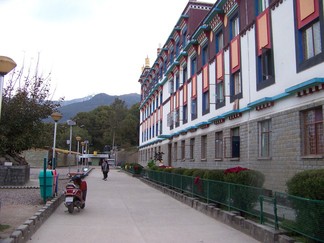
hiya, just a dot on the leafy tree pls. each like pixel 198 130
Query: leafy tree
pixel 108 125
pixel 25 104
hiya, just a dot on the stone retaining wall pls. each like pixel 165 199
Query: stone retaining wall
pixel 24 232
pixel 14 175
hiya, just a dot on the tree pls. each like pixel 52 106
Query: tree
pixel 111 125
pixel 25 105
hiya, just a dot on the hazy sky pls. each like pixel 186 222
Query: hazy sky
pixel 89 46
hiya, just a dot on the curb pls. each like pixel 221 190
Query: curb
pixel 24 232
pixel 257 231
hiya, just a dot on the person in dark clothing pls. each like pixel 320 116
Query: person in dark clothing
pixel 105 169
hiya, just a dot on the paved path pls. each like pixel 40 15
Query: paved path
pixel 126 210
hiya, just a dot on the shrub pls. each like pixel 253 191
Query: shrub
pixel 244 198
pixel 151 163
pixel 189 172
pixel 178 170
pixel 199 173
pixel 308 184
pixel 215 175
pixel 309 214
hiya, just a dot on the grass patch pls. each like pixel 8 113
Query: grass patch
pixel 4 227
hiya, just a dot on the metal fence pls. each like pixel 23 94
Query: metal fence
pixel 301 215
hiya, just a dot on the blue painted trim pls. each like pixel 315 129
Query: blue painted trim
pixel 164 136
pixel 200 29
pixel 305 85
pixel 203 123
pixel 216 118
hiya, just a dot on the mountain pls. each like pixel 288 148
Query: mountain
pixel 71 108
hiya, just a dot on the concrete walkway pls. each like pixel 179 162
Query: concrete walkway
pixel 124 209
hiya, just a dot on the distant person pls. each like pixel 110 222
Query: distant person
pixel 105 169
pixel 49 165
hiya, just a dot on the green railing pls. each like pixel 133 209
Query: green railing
pixel 304 216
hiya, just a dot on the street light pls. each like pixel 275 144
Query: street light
pixel 70 123
pixel 56 117
pixel 78 138
pixel 6 65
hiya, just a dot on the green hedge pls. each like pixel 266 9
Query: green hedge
pixel 309 216
pixel 242 177
pixel 307 184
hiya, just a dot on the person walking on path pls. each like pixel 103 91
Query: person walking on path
pixel 105 169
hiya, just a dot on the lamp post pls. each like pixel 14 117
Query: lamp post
pixel 82 152
pixel 78 138
pixel 70 123
pixel 6 65
pixel 56 117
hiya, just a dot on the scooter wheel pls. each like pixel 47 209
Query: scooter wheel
pixel 82 206
pixel 70 208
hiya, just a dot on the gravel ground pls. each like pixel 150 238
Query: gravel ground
pixel 17 204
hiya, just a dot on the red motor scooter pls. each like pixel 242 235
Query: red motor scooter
pixel 75 193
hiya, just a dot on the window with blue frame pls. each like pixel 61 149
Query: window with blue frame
pixel 194 109
pixel 262 5
pixel 184 74
pixel 219 41
pixel 161 97
pixel 177 48
pixel 184 37
pixel 177 84
pixel 193 65
pixel 234 26
pixel 172 56
pixel 184 114
pixel 309 36
pixel 204 55
pixel 205 102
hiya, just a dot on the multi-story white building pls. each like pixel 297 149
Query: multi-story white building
pixel 238 83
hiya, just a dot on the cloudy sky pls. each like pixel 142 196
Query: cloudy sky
pixel 88 46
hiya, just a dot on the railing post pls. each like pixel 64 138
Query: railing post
pixel 261 209
pixel 275 212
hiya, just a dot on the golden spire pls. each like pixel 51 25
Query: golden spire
pixel 147 62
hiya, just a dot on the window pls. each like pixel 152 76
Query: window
pixel 205 102
pixel 312 132
pixel 177 48
pixel 265 69
pixel 185 114
pixel 184 38
pixel 311 41
pixel 193 109
pixel 160 130
pixel 171 56
pixel 265 139
pixel 175 151
pixel 232 144
pixel 234 26
pixel 192 148
pixel 309 34
pixel 183 150
pixel 236 84
pixel 161 97
pixel 184 74
pixel 220 97
pixel 157 129
pixel 204 147
pixel 177 117
pixel 262 5
pixel 193 66
pixel 219 41
pixel 218 145
pixel 177 84
pixel 204 55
